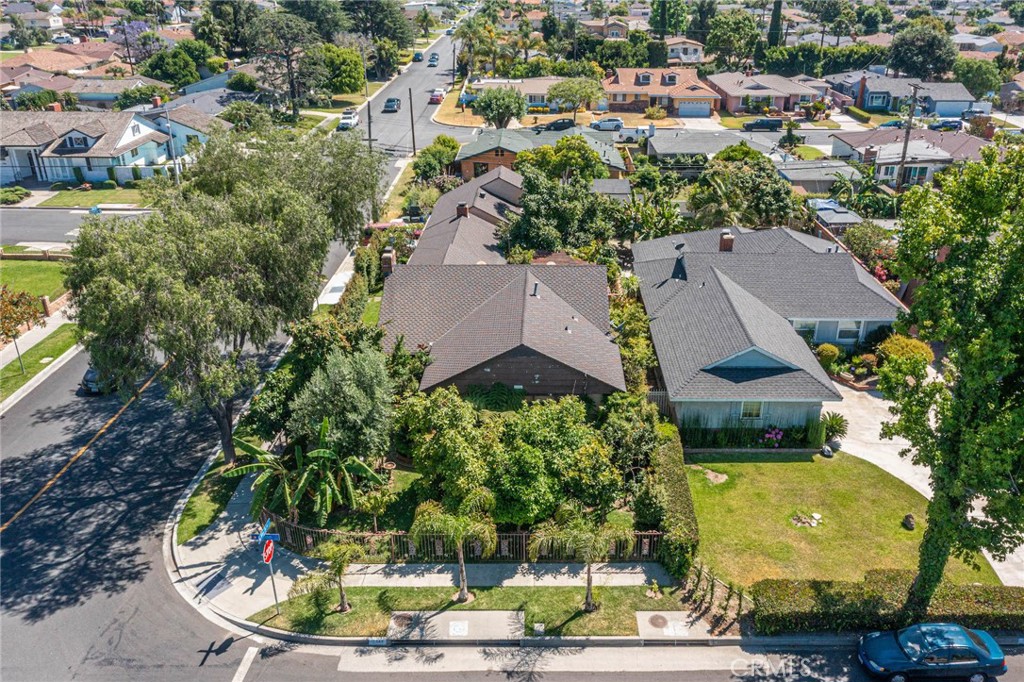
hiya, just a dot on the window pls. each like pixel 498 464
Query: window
pixel 645 78
pixel 806 328
pixel 619 97
pixel 479 169
pixel 135 153
pixel 877 100
pixel 962 657
pixel 670 79
pixel 888 171
pixel 613 33
pixel 136 129
pixel 535 99
pixel 751 409
pixel 848 330
pixel 499 152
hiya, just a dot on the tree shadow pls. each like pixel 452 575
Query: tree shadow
pixel 525 664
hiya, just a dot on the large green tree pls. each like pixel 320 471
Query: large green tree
pixel 732 38
pixel 922 52
pixel 558 215
pixel 701 14
pixel 747 191
pixel 979 76
pixel 499 106
pixel 775 27
pixel 380 19
pixel 965 244
pixel 570 157
pixel 326 15
pixel 344 68
pixel 575 92
pixel 281 43
pixel 171 66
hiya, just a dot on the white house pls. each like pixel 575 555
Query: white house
pixel 682 50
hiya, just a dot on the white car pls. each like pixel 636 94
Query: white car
pixel 65 39
pixel 630 135
pixel 608 124
pixel 349 119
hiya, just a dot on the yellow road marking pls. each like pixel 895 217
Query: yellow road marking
pixel 81 451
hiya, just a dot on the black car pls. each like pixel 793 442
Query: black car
pixel 91 383
pixel 769 124
pixel 392 105
pixel 560 124
pixel 932 650
pixel 947 125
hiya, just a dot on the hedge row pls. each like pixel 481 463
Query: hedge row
pixel 858 114
pixel 679 544
pixel 877 604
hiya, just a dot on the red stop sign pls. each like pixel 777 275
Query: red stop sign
pixel 268 551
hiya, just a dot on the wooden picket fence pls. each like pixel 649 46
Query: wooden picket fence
pixel 388 547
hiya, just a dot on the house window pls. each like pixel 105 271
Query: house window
pixel 806 328
pixel 849 330
pixel 613 33
pixel 888 171
pixel 619 97
pixel 645 78
pixel 135 153
pixel 136 129
pixel 499 152
pixel 670 79
pixel 751 410
pixel 535 99
pixel 479 169
pixel 877 100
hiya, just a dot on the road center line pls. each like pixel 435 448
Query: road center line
pixel 81 451
pixel 243 667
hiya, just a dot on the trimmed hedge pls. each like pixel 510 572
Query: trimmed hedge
pixel 877 604
pixel 681 534
pixel 106 184
pixel 858 115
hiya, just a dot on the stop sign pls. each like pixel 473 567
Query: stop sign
pixel 268 551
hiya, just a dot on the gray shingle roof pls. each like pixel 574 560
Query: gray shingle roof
pixel 707 142
pixel 470 314
pixel 527 138
pixel 707 306
pixel 32 128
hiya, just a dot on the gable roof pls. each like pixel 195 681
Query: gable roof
pixel 113 86
pixel 195 119
pixel 900 87
pixel 35 128
pixel 470 314
pixel 707 306
pixel 708 142
pixel 956 146
pixel 736 84
pixel 449 239
pixel 53 61
pixel 687 83
pixel 522 139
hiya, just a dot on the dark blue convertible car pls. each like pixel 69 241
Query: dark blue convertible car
pixel 932 650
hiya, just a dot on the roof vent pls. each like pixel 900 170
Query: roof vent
pixel 536 289
pixel 567 330
pixel 483 194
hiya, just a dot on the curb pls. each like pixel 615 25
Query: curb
pixel 106 211
pixel 32 383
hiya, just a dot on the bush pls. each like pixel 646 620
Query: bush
pixel 679 525
pixel 106 184
pixel 268 411
pixel 136 173
pixel 828 354
pixel 133 184
pixel 836 425
pixel 12 195
pixel 58 186
pixel 649 504
pixel 899 346
pixel 877 604
pixel 858 115
pixel 876 336
pixel 242 82
pixel 216 64
pixel 655 113
pixel 79 176
pixel 350 307
pixel 111 174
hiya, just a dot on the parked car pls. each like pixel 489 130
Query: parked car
pixel 560 124
pixel 896 123
pixel 349 119
pixel 449 32
pixel 417 57
pixel 608 124
pixel 947 124
pixel 91 383
pixel 931 650
pixel 434 56
pixel 968 114
pixel 392 105
pixel 432 64
pixel 65 39
pixel 630 135
pixel 769 124
pixel 436 96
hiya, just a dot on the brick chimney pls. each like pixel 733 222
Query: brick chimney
pixel 725 240
pixel 870 154
pixel 462 210
pixel 387 261
pixel 157 102
pixel 54 106
pixel 860 92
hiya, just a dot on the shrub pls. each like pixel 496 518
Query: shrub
pixel 655 113
pixel 828 354
pixel 136 173
pixel 815 433
pixel 496 397
pixel 268 411
pixel 836 425
pixel 877 604
pixel 877 336
pixel 216 64
pixel 349 309
pixel 679 525
pixel 858 115
pixel 133 184
pixel 899 346
pixel 106 184
pixel 111 174
pixel 58 186
pixel 12 195
pixel 649 504
pixel 242 82
pixel 79 176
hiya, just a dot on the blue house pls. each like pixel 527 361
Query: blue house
pixel 877 92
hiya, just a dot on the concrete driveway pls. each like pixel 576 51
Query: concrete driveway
pixel 866 411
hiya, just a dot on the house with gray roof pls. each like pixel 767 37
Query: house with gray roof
pixel 815 177
pixel 493 148
pixel 873 91
pixel 832 215
pixel 728 310
pixel 667 144
pixel 927 152
pixel 543 329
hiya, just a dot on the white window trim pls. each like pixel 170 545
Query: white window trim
pixel 760 410
pixel 839 330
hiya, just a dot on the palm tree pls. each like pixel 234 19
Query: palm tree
pixel 339 556
pixel 525 41
pixel 470 523
pixel 471 34
pixel 722 203
pixel 425 20
pixel 583 539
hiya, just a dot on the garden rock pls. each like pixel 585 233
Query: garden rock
pixel 908 522
pixel 826 451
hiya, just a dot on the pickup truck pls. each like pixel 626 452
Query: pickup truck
pixel 630 135
pixel 769 124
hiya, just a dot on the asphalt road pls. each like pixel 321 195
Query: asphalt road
pixel 39 225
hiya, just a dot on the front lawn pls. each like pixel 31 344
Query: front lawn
pixel 396 199
pixel 557 607
pixel 207 502
pixel 808 153
pixel 70 198
pixel 746 526
pixel 37 277
pixel 371 315
pixel 52 347
pixel 341 102
pixel 879 119
pixel 733 122
pixel 826 123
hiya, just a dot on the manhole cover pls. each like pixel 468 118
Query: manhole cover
pixel 658 620
pixel 402 620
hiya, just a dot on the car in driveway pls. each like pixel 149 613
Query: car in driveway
pixel 436 96
pixel 560 124
pixel 392 105
pixel 608 124
pixel 931 650
pixel 897 123
pixel 417 57
pixel 349 119
pixel 631 134
pixel 948 124
pixel 769 124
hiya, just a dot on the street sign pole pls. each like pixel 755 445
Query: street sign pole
pixel 273 586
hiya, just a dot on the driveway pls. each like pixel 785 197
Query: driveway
pixel 866 410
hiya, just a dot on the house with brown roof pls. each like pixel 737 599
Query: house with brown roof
pixel 928 152
pixel 53 61
pixel 677 90
pixel 741 93
pixel 102 93
pixel 615 28
pixel 682 51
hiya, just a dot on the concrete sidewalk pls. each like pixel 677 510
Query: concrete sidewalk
pixel 33 336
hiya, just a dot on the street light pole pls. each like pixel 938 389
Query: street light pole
pixel 369 114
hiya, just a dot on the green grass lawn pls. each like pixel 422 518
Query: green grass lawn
pixel 557 607
pixel 396 199
pixel 37 277
pixel 340 102
pixel 53 346
pixel 826 123
pixel 82 199
pixel 372 313
pixel 747 535
pixel 206 503
pixel 808 153
pixel 879 119
pixel 734 122
pixel 11 54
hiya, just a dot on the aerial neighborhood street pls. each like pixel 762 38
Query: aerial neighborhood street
pixel 511 339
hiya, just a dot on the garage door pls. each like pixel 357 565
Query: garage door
pixel 694 109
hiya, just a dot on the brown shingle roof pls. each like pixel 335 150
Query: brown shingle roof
pixel 687 84
pixel 34 128
pixel 53 61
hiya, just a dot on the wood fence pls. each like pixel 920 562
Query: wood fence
pixel 398 546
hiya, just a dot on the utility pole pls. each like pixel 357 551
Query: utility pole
pixel 412 123
pixel 170 145
pixel 906 137
pixel 455 66
pixel 127 47
pixel 369 113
